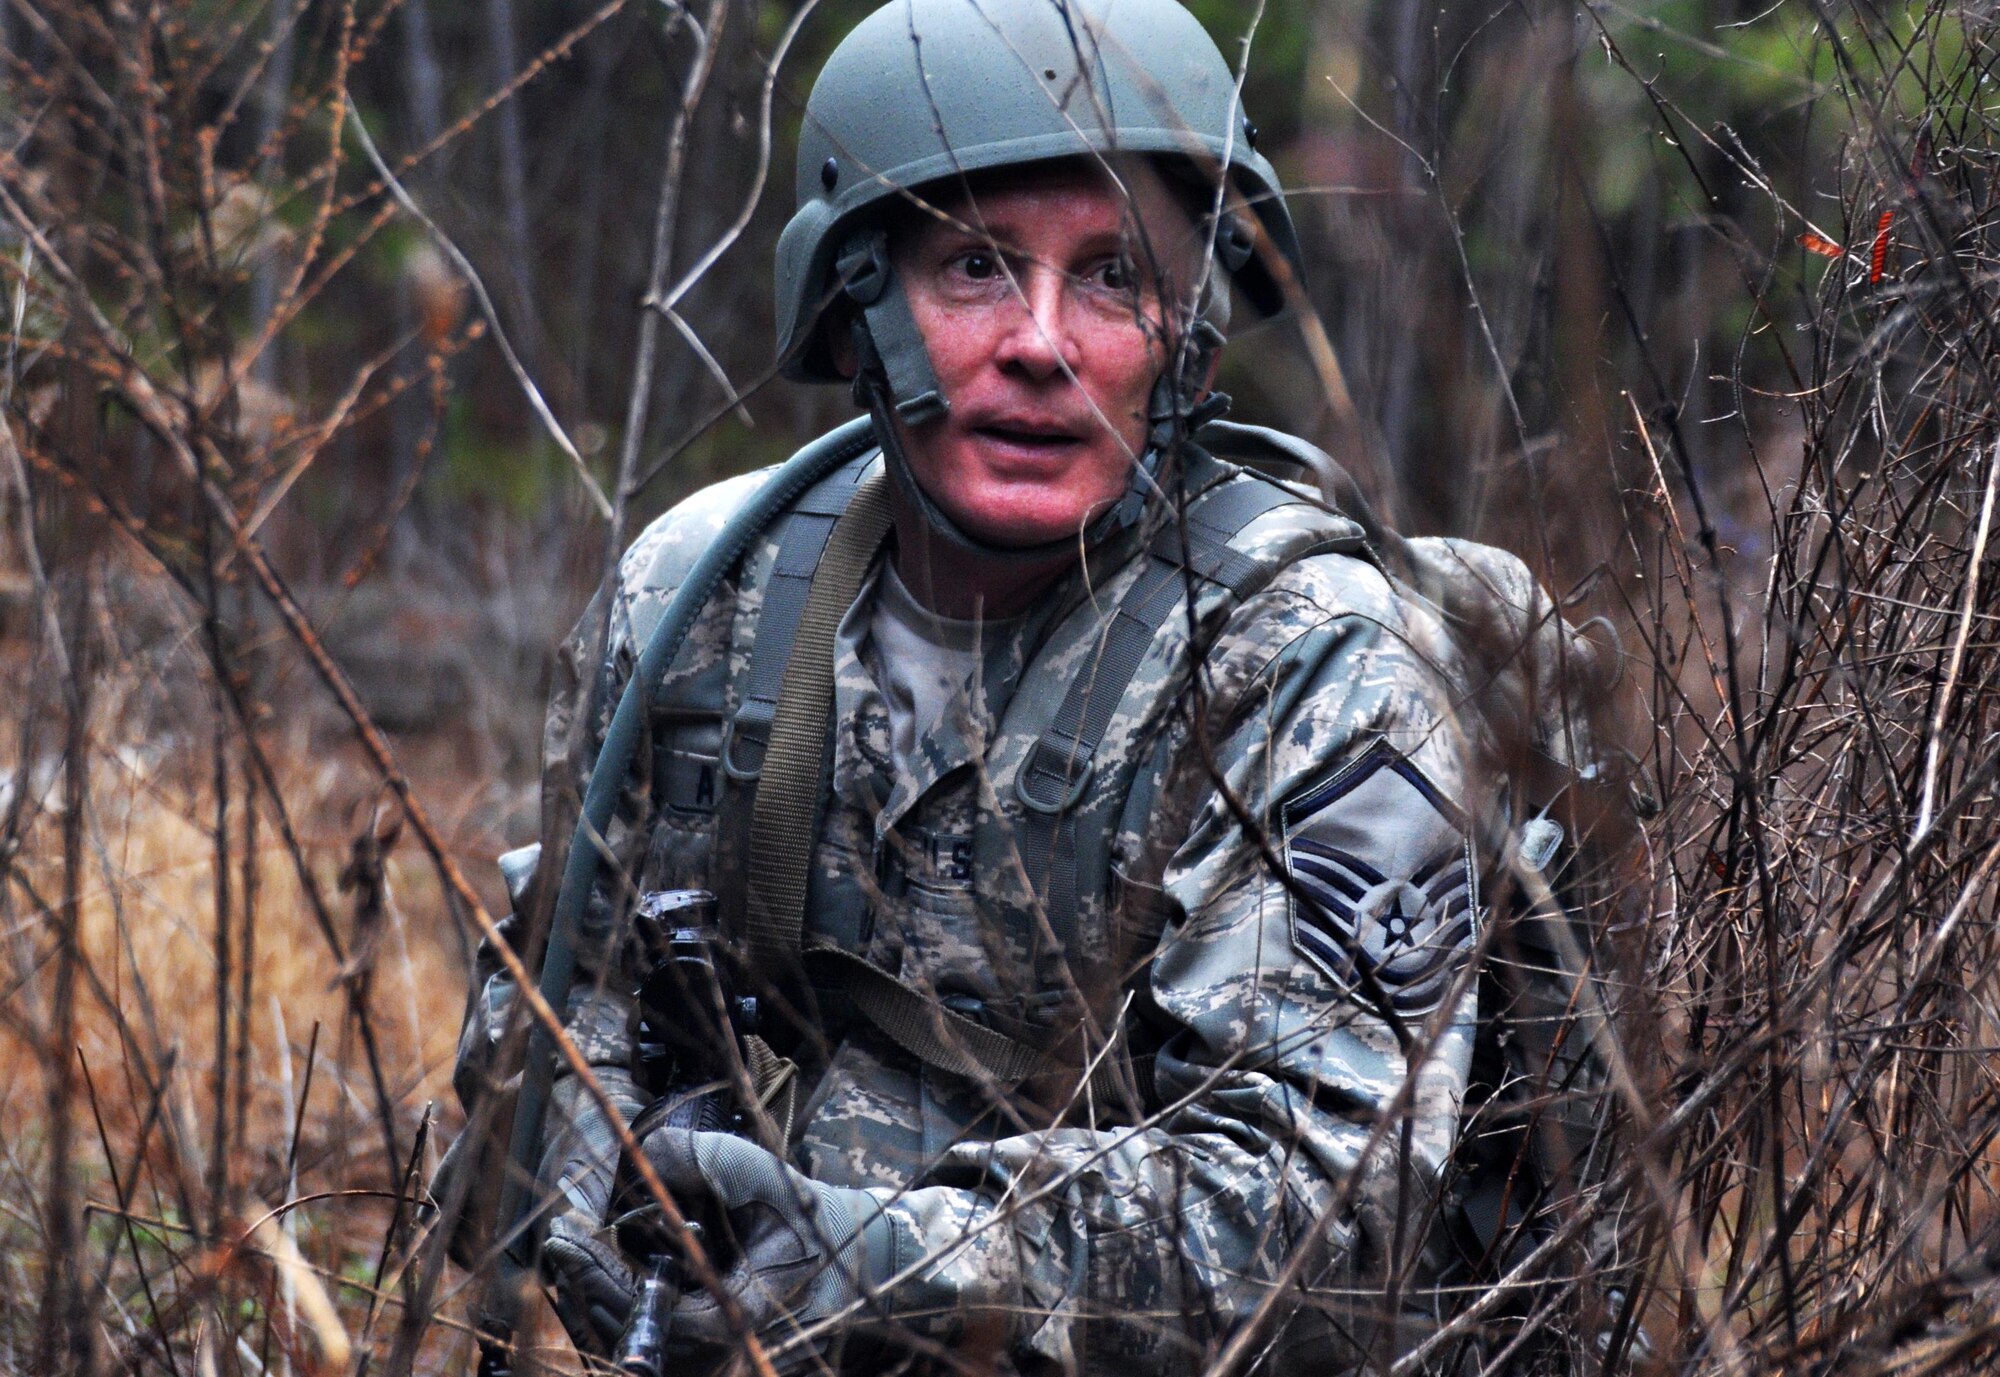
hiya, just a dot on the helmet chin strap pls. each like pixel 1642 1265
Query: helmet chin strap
pixel 894 380
pixel 891 347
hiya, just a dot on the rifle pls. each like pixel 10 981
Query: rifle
pixel 615 757
pixel 690 1026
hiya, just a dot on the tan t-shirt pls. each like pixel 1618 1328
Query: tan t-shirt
pixel 920 660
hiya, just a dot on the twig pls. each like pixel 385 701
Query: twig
pixel 1935 737
pixel 486 308
pixel 639 399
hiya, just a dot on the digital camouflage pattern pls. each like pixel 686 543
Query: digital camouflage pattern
pixel 1282 1129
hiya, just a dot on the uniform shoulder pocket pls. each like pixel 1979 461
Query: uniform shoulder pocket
pixel 687 765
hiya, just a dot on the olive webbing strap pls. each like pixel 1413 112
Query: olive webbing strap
pixel 1058 767
pixel 801 545
pixel 784 818
pixel 942 1037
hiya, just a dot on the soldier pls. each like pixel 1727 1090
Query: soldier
pixel 1102 821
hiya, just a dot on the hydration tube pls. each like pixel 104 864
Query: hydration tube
pixel 607 775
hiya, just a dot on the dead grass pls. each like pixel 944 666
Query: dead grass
pixel 314 1175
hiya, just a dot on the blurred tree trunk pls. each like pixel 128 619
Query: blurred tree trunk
pixel 423 79
pixel 1406 28
pixel 271 104
pixel 423 83
pixel 600 60
pixel 502 50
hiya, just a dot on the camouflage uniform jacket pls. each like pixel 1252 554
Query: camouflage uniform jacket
pixel 1309 796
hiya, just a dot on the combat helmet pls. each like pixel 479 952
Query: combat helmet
pixel 925 90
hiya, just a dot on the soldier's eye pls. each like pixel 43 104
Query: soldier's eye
pixel 979 265
pixel 1117 275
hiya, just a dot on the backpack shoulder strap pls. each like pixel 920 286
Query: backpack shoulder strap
pixel 784 821
pixel 1058 769
pixel 746 736
pixel 801 546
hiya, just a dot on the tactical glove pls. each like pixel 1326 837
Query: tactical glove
pixel 796 1251
pixel 594 1283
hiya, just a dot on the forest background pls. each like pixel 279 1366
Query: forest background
pixel 345 342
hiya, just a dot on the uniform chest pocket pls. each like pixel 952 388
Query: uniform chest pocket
pixel 949 937
pixel 687 766
pixel 938 861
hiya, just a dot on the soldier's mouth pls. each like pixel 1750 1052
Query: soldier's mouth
pixel 1032 440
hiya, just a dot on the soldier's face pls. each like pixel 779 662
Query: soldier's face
pixel 1041 309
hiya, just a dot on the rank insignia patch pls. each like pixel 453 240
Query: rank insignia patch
pixel 1383 880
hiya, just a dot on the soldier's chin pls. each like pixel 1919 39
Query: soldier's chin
pixel 1017 513
pixel 1019 520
